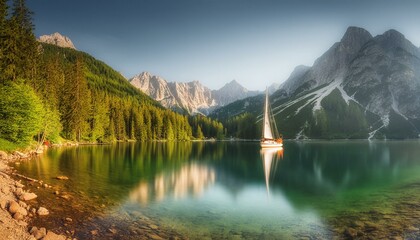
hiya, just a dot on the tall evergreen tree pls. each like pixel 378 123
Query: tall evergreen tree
pixel 76 102
pixel 26 45
pixel 3 24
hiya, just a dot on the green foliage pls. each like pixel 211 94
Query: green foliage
pixel 100 77
pixel 341 120
pixel 83 99
pixel 20 113
pixel 75 103
pixel 399 127
pixel 209 128
pixel 10 146
pixel 243 126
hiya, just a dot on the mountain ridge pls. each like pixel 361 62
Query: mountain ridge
pixel 191 97
pixel 361 87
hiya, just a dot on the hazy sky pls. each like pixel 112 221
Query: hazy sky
pixel 215 41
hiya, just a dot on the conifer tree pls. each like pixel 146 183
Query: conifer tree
pixel 76 102
pixel 199 133
pixel 24 46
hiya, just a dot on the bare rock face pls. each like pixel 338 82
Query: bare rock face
pixel 58 40
pixel 192 97
pixel 331 65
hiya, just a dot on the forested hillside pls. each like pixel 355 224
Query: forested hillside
pixel 50 93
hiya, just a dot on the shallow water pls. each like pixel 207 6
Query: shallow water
pixel 233 190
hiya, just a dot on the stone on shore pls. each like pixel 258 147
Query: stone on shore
pixel 42 211
pixel 13 207
pixel 38 233
pixel 21 155
pixel 19 185
pixel 52 236
pixel 27 196
pixel 18 216
pixel 3 203
pixel 3 155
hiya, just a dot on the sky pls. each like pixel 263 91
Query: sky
pixel 257 42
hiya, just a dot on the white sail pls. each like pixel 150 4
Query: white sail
pixel 267 134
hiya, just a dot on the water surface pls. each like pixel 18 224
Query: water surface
pixel 233 190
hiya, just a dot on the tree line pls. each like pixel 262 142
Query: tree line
pixel 51 93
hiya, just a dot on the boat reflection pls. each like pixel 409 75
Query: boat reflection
pixel 270 158
pixel 189 179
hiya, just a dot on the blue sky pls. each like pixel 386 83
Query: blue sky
pixel 255 42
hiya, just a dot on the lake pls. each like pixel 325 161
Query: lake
pixel 231 190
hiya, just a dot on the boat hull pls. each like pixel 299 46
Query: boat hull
pixel 271 144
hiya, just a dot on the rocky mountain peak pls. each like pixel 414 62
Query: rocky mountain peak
pixel 144 74
pixel 58 40
pixel 392 39
pixel 233 85
pixel 394 35
pixel 355 37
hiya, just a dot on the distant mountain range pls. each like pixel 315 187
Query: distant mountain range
pixel 190 97
pixel 362 87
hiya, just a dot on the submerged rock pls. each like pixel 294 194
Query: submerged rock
pixel 27 196
pixel 62 178
pixel 42 211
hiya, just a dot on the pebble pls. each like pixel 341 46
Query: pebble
pixel 23 204
pixel 67 197
pixel 154 227
pixel 69 219
pixel 27 196
pixel 19 185
pixel 42 211
pixel 13 207
pixel 38 233
pixel 3 204
pixel 5 190
pixel 94 232
pixel 154 236
pixel 18 191
pixel 52 236
pixel 18 216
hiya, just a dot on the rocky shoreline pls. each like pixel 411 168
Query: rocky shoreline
pixel 31 209
pixel 18 207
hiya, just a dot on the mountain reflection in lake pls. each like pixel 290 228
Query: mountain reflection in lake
pixel 190 179
pixel 316 189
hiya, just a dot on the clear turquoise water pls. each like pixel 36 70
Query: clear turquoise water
pixel 232 190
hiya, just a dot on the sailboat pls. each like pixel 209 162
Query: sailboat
pixel 269 140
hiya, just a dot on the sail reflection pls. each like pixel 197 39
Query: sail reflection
pixel 270 157
pixel 190 179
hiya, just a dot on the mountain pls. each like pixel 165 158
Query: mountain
pixel 231 92
pixel 362 87
pixel 191 97
pixel 57 39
